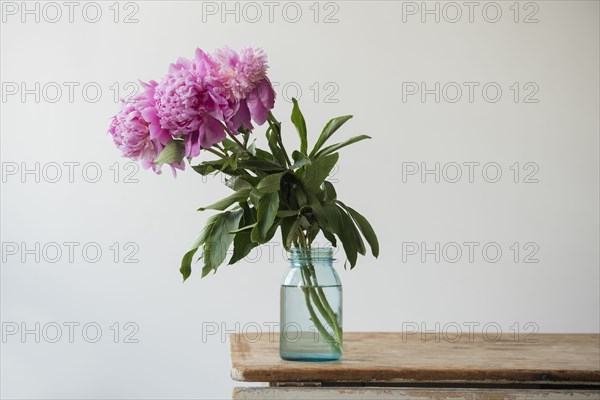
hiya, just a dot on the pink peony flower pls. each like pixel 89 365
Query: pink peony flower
pixel 260 101
pixel 241 73
pixel 189 103
pixel 136 129
pixel 195 101
pixel 241 118
pixel 243 78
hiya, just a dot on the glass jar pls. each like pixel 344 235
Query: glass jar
pixel 311 308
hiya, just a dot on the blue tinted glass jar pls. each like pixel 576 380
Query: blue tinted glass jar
pixel 311 308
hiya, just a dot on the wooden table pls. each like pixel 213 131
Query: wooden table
pixel 410 366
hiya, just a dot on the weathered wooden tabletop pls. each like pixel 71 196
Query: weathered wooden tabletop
pixel 397 357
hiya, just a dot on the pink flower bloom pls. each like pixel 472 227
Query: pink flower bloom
pixel 136 129
pixel 241 118
pixel 261 100
pixel 243 77
pixel 189 103
pixel 185 95
pixel 209 133
pixel 147 104
pixel 241 73
pixel 195 101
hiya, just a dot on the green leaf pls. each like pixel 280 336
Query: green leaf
pixel 278 154
pixel 237 183
pixel 173 152
pixel 264 155
pixel 233 162
pixel 260 165
pixel 287 213
pixel 286 225
pixel 186 262
pixel 270 183
pixel 316 208
pixel 272 230
pixel 267 211
pixel 304 224
pixel 252 148
pixel 208 167
pixel 346 234
pixel 230 145
pixel 243 244
pixel 244 228
pixel 300 196
pixel 216 238
pixel 330 193
pixel 329 236
pixel 312 232
pixel 315 173
pixel 222 204
pixel 329 129
pixel 335 147
pixel 300 124
pixel 255 197
pixel 350 226
pixel 365 228
pixel 246 135
pixel 299 159
pixel 292 234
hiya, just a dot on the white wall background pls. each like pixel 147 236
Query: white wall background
pixel 366 56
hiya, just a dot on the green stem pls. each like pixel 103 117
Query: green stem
pixel 276 126
pixel 319 298
pixel 235 139
pixel 327 307
pixel 221 155
pixel 322 331
pixel 272 118
pixel 226 157
pixel 218 146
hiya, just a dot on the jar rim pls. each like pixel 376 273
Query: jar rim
pixel 313 253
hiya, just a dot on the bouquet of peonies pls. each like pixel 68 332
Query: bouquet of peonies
pixel 210 104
